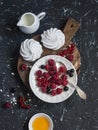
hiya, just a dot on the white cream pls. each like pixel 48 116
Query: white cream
pixel 30 50
pixel 53 38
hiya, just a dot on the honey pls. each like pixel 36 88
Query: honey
pixel 40 123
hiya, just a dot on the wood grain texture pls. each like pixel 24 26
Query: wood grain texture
pixel 69 32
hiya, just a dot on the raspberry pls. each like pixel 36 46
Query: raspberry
pixel 44 89
pixel 51 80
pixel 70 57
pixel 70 51
pixel 64 82
pixel 53 86
pixel 7 105
pixel 58 82
pixel 61 54
pixel 65 52
pixel 53 92
pixel 54 68
pixel 64 77
pixel 62 69
pixel 51 73
pixel 39 73
pixel 46 75
pixel 38 79
pixel 23 67
pixel 23 102
pixel 72 46
pixel 47 67
pixel 59 90
pixel 51 62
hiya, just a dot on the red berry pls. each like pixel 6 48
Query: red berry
pixel 39 73
pixel 64 82
pixel 64 52
pixel 46 75
pixel 70 57
pixel 53 92
pixel 73 45
pixel 51 62
pixel 58 82
pixel 61 54
pixel 53 86
pixel 23 67
pixel 27 107
pixel 47 67
pixel 59 90
pixel 44 89
pixel 62 69
pixel 64 77
pixel 7 105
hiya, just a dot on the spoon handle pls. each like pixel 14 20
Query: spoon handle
pixel 80 92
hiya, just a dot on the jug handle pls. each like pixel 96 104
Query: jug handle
pixel 41 15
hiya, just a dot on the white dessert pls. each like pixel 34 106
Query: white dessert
pixel 30 50
pixel 53 38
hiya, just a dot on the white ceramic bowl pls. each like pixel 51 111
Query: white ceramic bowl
pixel 40 115
pixel 47 97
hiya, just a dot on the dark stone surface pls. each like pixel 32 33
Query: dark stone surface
pixel 73 114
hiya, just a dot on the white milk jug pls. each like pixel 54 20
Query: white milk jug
pixel 29 22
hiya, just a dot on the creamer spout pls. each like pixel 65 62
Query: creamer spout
pixel 19 23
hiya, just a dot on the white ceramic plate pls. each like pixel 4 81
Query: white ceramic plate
pixel 47 97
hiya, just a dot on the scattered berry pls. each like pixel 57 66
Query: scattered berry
pixel 7 105
pixel 23 67
pixel 70 57
pixel 23 102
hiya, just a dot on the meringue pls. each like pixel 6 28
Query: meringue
pixel 53 38
pixel 30 50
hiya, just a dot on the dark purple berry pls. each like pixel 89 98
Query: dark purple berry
pixel 72 70
pixel 48 90
pixel 71 74
pixel 66 88
pixel 42 66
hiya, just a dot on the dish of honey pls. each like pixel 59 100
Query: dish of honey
pixel 40 123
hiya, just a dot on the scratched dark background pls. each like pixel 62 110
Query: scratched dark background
pixel 73 114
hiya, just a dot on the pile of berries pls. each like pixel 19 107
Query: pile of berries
pixel 52 79
pixel 68 52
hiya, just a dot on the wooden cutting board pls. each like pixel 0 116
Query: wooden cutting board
pixel 69 30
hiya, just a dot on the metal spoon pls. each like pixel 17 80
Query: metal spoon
pixel 80 92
